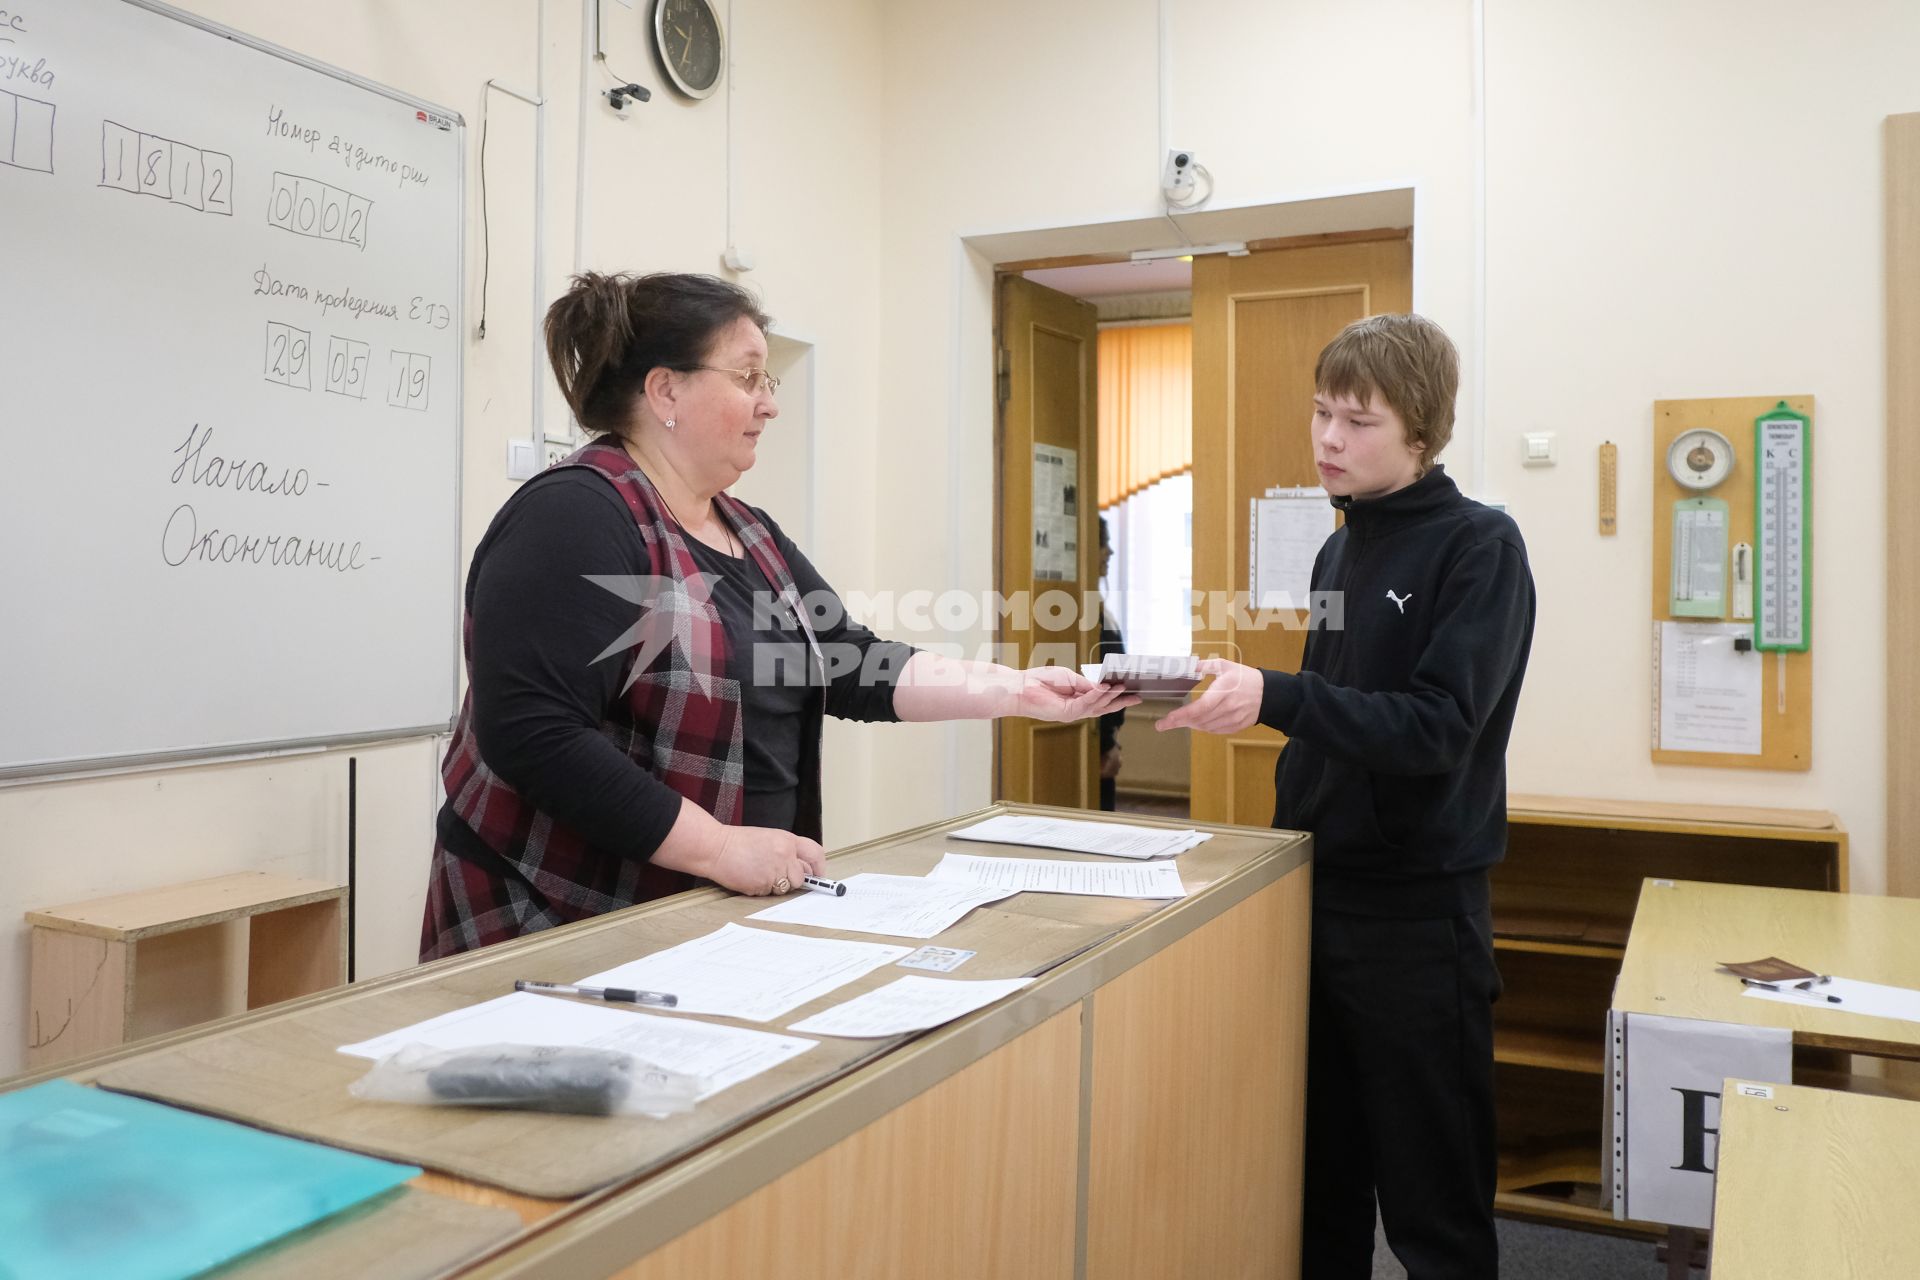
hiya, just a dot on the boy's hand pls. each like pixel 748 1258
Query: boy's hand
pixel 1231 703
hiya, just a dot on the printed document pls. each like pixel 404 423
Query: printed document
pixel 755 974
pixel 1119 839
pixel 896 906
pixel 1036 875
pixel 908 1004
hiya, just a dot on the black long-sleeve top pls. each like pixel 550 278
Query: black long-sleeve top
pixel 1398 720
pixel 541 686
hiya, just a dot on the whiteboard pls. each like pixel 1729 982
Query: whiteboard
pixel 230 355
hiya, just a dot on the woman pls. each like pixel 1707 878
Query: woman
pixel 649 658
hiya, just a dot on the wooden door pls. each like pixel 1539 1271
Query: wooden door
pixel 1259 323
pixel 1048 533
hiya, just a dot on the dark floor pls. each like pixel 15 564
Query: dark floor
pixel 1152 806
pixel 1531 1251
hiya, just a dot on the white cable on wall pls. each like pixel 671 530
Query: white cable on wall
pixel 1166 90
pixel 1166 118
pixel 538 354
pixel 589 37
pixel 731 48
pixel 1479 145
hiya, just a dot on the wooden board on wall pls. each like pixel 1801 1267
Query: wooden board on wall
pixel 1903 517
pixel 1786 736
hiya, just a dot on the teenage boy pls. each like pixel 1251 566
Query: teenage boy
pixel 1397 727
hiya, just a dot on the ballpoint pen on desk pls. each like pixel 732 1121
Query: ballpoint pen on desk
pixel 835 887
pixel 1803 988
pixel 615 995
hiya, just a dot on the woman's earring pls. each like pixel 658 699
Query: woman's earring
pixel 669 424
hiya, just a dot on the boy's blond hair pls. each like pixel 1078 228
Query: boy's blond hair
pixel 1410 361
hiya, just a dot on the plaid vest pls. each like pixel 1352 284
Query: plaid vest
pixel 679 718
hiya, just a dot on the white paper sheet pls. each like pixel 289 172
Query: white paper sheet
pixel 1056 513
pixel 908 1004
pixel 1092 879
pixel 895 906
pixel 755 974
pixel 1875 999
pixel 1119 839
pixel 719 1056
pixel 1288 532
pixel 1709 692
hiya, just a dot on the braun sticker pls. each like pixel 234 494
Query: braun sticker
pixel 434 118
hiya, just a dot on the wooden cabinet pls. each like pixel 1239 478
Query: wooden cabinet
pixel 1563 903
pixel 117 969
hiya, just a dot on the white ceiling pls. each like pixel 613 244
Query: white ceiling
pixel 1158 275
pixel 1362 211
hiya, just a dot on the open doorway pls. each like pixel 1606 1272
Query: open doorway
pixel 1073 310
pixel 1142 492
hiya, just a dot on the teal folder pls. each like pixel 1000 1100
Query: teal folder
pixel 100 1184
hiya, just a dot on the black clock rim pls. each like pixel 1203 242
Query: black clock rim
pixel 681 86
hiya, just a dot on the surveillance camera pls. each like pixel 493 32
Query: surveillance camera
pixel 1176 180
pixel 618 95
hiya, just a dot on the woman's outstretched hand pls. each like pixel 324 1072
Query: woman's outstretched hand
pixel 1062 696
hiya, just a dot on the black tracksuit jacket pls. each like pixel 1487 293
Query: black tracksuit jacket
pixel 1397 722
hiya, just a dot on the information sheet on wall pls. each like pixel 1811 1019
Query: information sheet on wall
pixel 1056 514
pixel 232 342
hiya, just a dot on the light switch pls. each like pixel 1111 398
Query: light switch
pixel 1537 449
pixel 523 460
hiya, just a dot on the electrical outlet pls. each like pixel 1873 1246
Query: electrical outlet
pixel 557 451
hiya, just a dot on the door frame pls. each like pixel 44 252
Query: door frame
pixel 1325 217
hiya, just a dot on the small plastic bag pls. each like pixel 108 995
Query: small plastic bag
pixel 561 1078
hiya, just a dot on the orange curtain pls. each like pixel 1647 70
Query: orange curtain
pixel 1146 406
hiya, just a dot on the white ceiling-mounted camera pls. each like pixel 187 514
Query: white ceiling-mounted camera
pixel 1181 179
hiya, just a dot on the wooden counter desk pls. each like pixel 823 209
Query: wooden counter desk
pixel 1136 1111
pixel 1815 1185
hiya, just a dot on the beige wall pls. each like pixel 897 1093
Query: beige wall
pixel 1680 201
pixel 1046 116
pixel 806 200
pixel 1692 230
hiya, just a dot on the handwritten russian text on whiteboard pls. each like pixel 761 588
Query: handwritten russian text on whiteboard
pixel 230 352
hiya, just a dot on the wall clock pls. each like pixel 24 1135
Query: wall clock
pixel 690 45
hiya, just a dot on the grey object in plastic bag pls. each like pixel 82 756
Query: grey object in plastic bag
pixel 569 1079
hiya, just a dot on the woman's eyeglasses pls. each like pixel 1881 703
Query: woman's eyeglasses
pixel 753 380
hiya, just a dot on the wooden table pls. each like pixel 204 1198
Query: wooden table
pixel 1136 1111
pixel 1815 1185
pixel 1683 931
